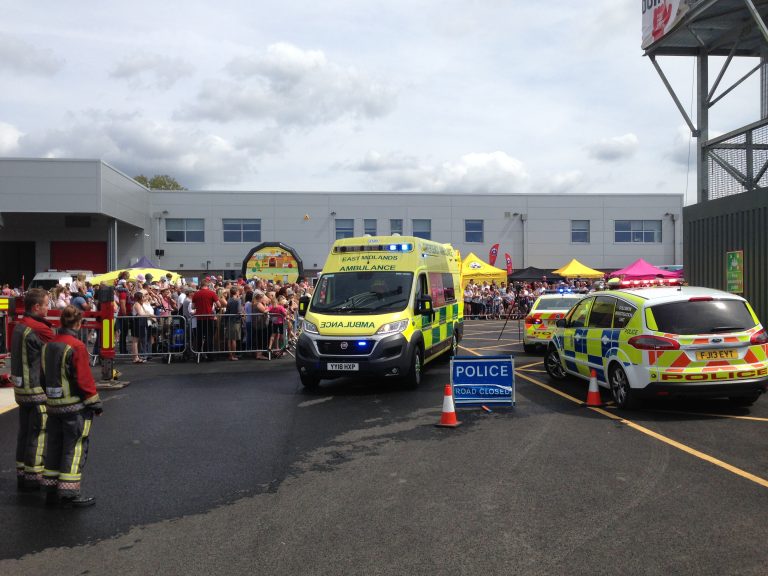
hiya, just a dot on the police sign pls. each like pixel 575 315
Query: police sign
pixel 483 380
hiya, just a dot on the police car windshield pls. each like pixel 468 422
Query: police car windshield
pixel 557 303
pixel 362 292
pixel 703 317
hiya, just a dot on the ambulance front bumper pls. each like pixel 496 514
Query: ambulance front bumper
pixel 329 357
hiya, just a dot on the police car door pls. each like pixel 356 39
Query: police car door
pixel 600 335
pixel 575 336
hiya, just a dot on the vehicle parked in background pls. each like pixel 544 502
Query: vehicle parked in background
pixel 50 278
pixel 540 323
pixel 685 341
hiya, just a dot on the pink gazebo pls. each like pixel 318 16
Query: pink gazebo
pixel 642 270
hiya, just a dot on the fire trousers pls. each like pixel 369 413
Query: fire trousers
pixel 66 451
pixel 30 443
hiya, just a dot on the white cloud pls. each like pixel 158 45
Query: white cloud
pixel 144 70
pixel 288 86
pixel 24 58
pixel 474 172
pixel 683 148
pixel 571 181
pixel 197 159
pixel 9 138
pixel 615 148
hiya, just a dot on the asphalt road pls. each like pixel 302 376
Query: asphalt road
pixel 230 467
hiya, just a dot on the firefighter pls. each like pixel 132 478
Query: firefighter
pixel 27 341
pixel 71 402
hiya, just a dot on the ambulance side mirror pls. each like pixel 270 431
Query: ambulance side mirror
pixel 424 305
pixel 560 323
pixel 303 305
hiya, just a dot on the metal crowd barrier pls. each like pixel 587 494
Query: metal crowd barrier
pixel 251 333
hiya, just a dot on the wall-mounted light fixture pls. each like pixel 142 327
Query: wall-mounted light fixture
pixel 333 213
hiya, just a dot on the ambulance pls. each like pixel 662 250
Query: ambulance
pixel 666 341
pixel 383 306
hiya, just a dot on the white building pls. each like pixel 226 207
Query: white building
pixel 86 214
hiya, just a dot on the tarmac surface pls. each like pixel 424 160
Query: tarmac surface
pixel 231 467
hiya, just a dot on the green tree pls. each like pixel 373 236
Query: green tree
pixel 159 182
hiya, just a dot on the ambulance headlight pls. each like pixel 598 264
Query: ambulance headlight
pixel 393 327
pixel 309 327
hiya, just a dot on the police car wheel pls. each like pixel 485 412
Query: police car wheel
pixel 309 382
pixel 744 400
pixel 622 393
pixel 413 378
pixel 552 365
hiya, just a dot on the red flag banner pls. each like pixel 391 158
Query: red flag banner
pixel 492 254
pixel 509 263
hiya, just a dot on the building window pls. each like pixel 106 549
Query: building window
pixel 242 230
pixel 580 231
pixel 184 230
pixel 345 228
pixel 473 231
pixel 422 228
pixel 396 226
pixel 643 231
pixel 369 226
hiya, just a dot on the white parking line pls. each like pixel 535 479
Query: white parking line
pixel 313 402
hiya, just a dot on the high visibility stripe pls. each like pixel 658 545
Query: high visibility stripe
pixel 73 474
pixel 106 334
pixel 41 438
pixel 24 358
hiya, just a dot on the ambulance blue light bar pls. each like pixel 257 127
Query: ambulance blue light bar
pixel 406 247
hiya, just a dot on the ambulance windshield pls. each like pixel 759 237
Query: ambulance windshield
pixel 362 292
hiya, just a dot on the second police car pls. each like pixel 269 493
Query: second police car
pixel 663 342
pixel 540 322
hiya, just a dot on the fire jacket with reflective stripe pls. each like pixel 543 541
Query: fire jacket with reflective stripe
pixel 27 341
pixel 67 377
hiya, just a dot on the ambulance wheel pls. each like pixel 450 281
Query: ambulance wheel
pixel 309 382
pixel 552 364
pixel 529 348
pixel 413 378
pixel 744 400
pixel 622 393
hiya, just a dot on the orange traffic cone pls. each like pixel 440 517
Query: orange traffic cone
pixel 593 396
pixel 448 419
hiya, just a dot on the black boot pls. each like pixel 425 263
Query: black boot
pixel 77 501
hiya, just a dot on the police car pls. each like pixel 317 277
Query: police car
pixel 545 312
pixel 663 342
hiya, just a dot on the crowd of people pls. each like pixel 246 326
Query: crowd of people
pixel 216 318
pixel 487 300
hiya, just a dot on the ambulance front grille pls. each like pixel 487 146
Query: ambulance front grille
pixel 351 347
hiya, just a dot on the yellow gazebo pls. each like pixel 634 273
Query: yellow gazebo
pixel 472 268
pixel 110 277
pixel 575 269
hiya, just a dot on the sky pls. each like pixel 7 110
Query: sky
pixel 460 96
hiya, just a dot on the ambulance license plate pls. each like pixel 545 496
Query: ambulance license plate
pixel 716 355
pixel 344 366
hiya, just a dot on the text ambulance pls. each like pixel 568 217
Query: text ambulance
pixel 384 305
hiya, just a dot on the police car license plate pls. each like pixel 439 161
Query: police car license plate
pixel 716 354
pixel 343 366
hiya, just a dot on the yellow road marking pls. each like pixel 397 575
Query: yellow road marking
pixel 529 365
pixel 8 408
pixel 674 443
pixel 710 415
pixel 470 350
pixel 492 347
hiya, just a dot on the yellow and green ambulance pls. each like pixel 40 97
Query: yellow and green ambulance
pixel 383 306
